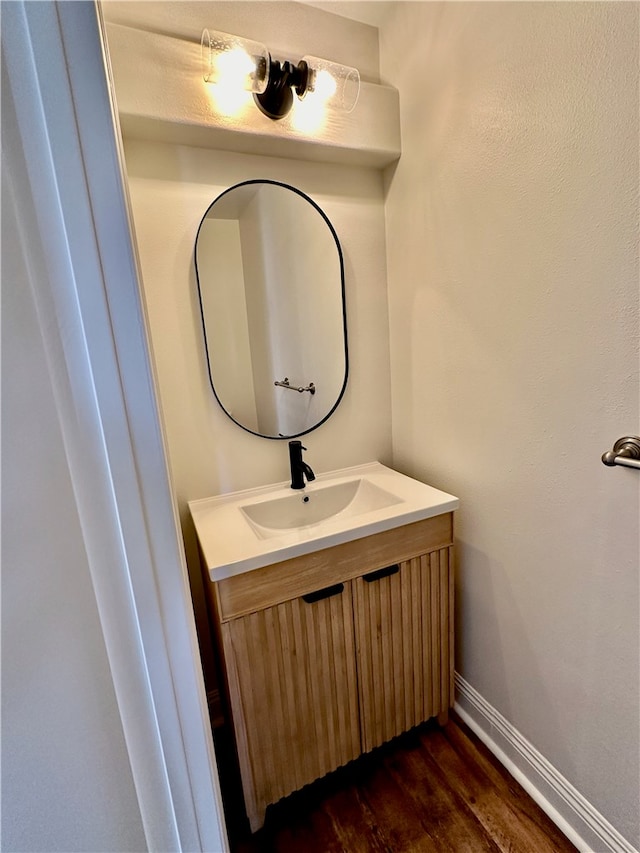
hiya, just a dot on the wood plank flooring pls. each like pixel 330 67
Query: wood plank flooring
pixel 432 790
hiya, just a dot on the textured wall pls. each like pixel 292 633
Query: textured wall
pixel 512 268
pixel 513 282
pixel 171 187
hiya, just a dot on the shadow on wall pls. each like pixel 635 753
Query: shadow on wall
pixel 485 590
pixel 198 598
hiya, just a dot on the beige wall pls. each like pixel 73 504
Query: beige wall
pixel 171 187
pixel 512 227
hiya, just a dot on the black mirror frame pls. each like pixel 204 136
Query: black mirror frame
pixel 344 307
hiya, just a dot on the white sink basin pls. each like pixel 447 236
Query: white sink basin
pixel 348 499
pixel 246 530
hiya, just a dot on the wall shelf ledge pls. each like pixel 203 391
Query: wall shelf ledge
pixel 162 97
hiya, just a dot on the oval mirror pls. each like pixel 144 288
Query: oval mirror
pixel 270 279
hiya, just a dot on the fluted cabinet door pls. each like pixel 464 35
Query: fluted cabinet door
pixel 404 645
pixel 292 682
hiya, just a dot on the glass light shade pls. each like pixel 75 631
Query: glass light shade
pixel 233 61
pixel 338 86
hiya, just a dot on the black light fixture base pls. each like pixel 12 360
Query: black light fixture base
pixel 274 103
pixel 277 99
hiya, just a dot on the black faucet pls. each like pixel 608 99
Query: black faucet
pixel 299 469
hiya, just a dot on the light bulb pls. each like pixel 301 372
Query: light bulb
pixel 234 66
pixel 325 85
pixel 234 62
pixel 338 86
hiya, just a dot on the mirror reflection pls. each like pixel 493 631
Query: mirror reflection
pixel 271 285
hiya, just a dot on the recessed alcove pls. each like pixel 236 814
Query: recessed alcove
pixel 162 97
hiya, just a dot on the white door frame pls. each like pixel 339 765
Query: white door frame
pixel 94 329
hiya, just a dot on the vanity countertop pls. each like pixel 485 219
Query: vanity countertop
pixel 256 527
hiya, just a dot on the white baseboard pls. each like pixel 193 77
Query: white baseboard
pixel 583 824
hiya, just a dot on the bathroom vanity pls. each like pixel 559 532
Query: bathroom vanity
pixel 340 635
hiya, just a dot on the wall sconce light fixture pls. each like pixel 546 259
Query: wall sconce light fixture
pixel 233 61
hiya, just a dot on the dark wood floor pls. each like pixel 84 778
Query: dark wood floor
pixel 432 790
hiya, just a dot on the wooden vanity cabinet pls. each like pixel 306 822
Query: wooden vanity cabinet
pixel 331 654
pixel 291 670
pixel 404 645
